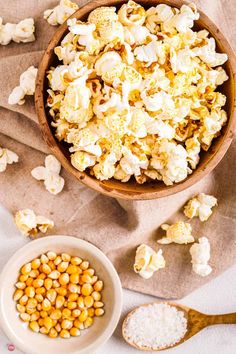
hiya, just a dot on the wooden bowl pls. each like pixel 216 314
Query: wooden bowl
pixel 132 190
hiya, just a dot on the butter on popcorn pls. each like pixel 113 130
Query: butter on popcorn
pixel 7 157
pixel 22 32
pixel 147 261
pixel 26 87
pixel 200 206
pixel 60 13
pixel 53 182
pixel 200 253
pixel 180 232
pixel 31 224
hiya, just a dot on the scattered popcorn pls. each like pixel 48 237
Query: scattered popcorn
pixel 200 206
pixel 135 93
pixel 60 13
pixel 20 32
pixel 53 182
pixel 180 232
pixel 147 261
pixel 7 157
pixel 26 87
pixel 200 253
pixel 31 224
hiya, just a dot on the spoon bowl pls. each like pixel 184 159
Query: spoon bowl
pixel 196 321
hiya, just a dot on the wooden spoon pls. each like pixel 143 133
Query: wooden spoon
pixel 196 321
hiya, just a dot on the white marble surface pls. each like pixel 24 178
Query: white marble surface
pixel 218 296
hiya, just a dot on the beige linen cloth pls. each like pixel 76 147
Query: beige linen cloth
pixel 117 227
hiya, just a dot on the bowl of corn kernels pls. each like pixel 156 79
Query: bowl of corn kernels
pixel 59 294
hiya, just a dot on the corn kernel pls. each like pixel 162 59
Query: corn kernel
pixel 66 324
pixel 64 334
pixel 35 264
pixel 80 302
pixel 20 285
pixel 46 305
pixel 98 286
pixel 65 257
pixel 60 300
pixel 62 267
pixel 38 283
pixel 34 326
pixel 26 269
pixel 23 300
pixel 86 278
pixel 72 269
pixel 96 296
pixel 34 273
pixel 78 324
pixel 86 289
pixel 73 288
pixel 48 322
pixel 53 333
pixel 91 312
pixel 42 276
pixel 43 314
pixel 88 301
pixel 51 255
pixel 29 291
pixel 76 313
pixel 89 272
pixel 20 308
pixel 44 330
pixel 54 274
pixel 58 260
pixel 99 312
pixel 94 279
pixel 29 281
pixel 84 265
pixel 73 297
pixel 23 278
pixel 71 305
pixel 74 332
pixel 48 283
pixel 83 315
pixel 25 317
pixel 98 304
pixel 30 310
pixel 66 313
pixel 58 327
pixel 18 294
pixel 45 268
pixel 39 306
pixel 35 316
pixel 40 291
pixel 74 278
pixel 31 304
pixel 76 260
pixel 55 284
pixel 56 314
pixel 40 322
pixel 51 295
pixel 52 265
pixel 64 279
pixel 88 322
pixel 44 259
pixel 61 291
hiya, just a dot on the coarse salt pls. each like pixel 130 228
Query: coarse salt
pixel 156 326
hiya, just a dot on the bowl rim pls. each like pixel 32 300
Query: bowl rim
pixel 117 190
pixel 47 241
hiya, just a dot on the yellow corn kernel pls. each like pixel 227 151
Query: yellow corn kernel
pixel 48 323
pixel 54 274
pixel 66 313
pixel 52 265
pixel 98 286
pixel 99 312
pixel 80 302
pixel 42 276
pixel 56 314
pixel 51 255
pixel 20 285
pixel 44 330
pixel 26 269
pixel 29 281
pixel 71 305
pixel 72 269
pixel 58 327
pixel 55 284
pixel 78 324
pixel 40 322
pixel 66 324
pixel 61 291
pixel 60 300
pixel 44 259
pixel 91 312
pixel 35 264
pixel 88 301
pixel 62 267
pixel 51 295
pixel 73 297
pixel 74 332
pixel 64 279
pixel 65 257
pixel 83 315
pixel 76 313
pixel 23 300
pixel 43 314
pixel 34 273
pixel 84 265
pixel 64 334
pixel 38 283
pixel 34 326
pixel 73 288
pixel 23 278
pixel 25 317
pixel 86 289
pixel 39 306
pixel 46 305
pixel 32 303
pixel 35 316
pixel 45 268
pixel 96 296
pixel 18 294
pixel 74 278
pixel 89 271
pixel 94 279
pixel 88 322
pixel 40 291
pixel 29 291
pixel 98 304
pixel 53 333
pixel 76 260
pixel 58 260
pixel 48 283
pixel 20 308
pixel 85 278
pixel 30 310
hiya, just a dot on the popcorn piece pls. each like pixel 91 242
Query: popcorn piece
pixel 60 13
pixel 31 224
pixel 109 66
pixel 103 14
pixel 53 182
pixel 183 20
pixel 81 160
pixel 20 32
pixel 200 253
pixel 179 232
pixel 147 261
pixel 131 14
pixel 151 52
pixel 7 157
pixel 200 206
pixel 27 86
pixel 208 54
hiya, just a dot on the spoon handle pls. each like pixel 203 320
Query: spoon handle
pixel 228 318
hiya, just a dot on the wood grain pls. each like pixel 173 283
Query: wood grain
pixel 131 190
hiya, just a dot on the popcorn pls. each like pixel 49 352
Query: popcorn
pixel 131 14
pixel 103 14
pixel 180 232
pixel 60 13
pixel 208 54
pixel 151 52
pixel 200 253
pixel 27 87
pixel 200 206
pixel 82 160
pixel 53 182
pixel 131 164
pixel 147 261
pixel 183 20
pixel 31 224
pixel 20 32
pixel 109 67
pixel 7 157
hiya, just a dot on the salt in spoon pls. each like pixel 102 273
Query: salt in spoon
pixel 196 321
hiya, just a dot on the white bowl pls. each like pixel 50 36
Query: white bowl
pixel 90 339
